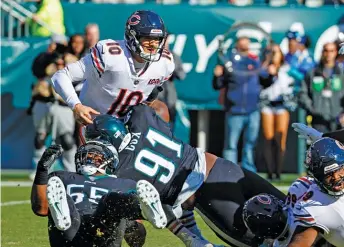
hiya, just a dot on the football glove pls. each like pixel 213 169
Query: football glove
pixel 49 156
pixel 306 132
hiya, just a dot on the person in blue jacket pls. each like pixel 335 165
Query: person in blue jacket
pixel 242 89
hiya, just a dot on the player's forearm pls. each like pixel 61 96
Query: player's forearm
pixel 39 203
pixel 303 237
pixel 300 243
pixel 62 83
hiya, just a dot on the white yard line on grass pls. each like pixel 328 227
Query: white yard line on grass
pixel 11 203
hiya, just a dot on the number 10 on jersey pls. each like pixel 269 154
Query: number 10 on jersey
pixel 149 162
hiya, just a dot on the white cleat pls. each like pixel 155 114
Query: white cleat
pixel 58 205
pixel 150 204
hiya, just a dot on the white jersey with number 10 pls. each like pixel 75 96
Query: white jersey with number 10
pixel 111 83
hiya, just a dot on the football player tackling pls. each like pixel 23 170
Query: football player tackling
pixel 87 208
pixel 183 175
pixel 119 73
pixel 318 212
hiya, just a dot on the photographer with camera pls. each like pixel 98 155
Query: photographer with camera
pixel 242 90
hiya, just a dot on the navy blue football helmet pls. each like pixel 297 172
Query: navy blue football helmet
pixel 108 128
pixel 96 157
pixel 145 23
pixel 324 157
pixel 265 216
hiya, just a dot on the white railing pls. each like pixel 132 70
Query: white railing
pixel 17 20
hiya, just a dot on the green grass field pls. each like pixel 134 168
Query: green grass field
pixel 21 228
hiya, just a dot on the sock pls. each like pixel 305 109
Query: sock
pixel 179 230
pixel 188 220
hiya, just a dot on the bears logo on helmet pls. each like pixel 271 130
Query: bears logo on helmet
pixel 264 199
pixel 134 20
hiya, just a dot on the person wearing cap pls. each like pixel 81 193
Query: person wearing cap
pixel 298 57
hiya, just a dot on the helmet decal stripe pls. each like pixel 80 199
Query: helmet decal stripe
pixel 96 61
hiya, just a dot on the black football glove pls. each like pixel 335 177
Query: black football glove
pixel 49 156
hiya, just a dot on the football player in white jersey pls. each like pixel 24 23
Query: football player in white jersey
pixel 316 211
pixel 119 73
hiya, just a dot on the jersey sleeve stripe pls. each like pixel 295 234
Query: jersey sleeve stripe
pixel 306 219
pixel 304 179
pixel 100 57
pixel 94 65
pixel 305 223
pixel 96 62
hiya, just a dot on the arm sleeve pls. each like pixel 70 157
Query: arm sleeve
pixel 302 217
pixel 63 79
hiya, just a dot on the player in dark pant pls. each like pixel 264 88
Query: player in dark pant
pixel 102 226
pixel 179 172
pixel 221 198
pixel 87 207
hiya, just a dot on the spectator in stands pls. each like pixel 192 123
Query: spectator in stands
pixel 300 60
pixel 241 103
pixel 322 93
pixel 56 48
pixel 50 12
pixel 47 107
pixel 275 114
pixel 91 35
pixel 169 94
pixel 76 48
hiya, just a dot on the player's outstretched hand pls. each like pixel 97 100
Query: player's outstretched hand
pixel 306 132
pixel 83 114
pixel 49 156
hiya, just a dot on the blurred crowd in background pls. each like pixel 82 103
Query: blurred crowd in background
pixel 264 100
pixel 284 82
